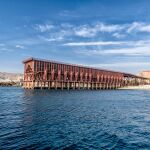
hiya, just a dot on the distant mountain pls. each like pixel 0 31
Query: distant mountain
pixel 10 77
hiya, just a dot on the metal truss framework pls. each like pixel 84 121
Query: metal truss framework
pixel 40 73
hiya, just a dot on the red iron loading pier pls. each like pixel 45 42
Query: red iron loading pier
pixel 42 74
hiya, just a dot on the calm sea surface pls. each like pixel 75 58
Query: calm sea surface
pixel 44 119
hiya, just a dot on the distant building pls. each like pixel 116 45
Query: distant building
pixel 145 74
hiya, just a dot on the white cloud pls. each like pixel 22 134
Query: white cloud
pixel 52 39
pixel 20 46
pixel 93 30
pixel 10 47
pixel 128 48
pixel 118 35
pixel 130 51
pixel 117 30
pixel 67 25
pixel 109 28
pixel 29 41
pixel 134 67
pixel 85 31
pixel 122 64
pixel 127 51
pixel 43 27
pixel 139 26
pixel 100 43
pixel 57 36
pixel 6 49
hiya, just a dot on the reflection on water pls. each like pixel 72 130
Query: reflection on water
pixel 47 119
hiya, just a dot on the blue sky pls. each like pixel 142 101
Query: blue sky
pixel 111 34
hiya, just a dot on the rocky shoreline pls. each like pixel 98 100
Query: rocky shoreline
pixel 8 84
pixel 11 79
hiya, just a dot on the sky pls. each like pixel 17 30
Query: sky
pixel 108 34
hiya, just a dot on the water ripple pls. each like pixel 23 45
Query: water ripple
pixel 66 120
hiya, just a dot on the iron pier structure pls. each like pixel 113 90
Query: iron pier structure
pixel 48 74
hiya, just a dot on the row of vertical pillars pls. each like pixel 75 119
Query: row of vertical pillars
pixel 70 85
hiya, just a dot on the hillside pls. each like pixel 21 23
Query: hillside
pixel 10 77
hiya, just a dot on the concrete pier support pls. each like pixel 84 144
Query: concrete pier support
pixel 55 85
pixel 68 85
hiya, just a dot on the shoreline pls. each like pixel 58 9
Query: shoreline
pixel 10 84
pixel 141 87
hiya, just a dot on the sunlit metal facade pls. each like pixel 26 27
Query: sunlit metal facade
pixel 42 74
